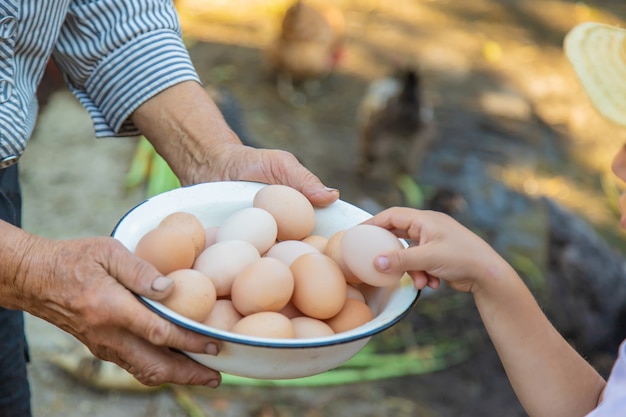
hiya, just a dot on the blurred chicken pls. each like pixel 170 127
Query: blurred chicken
pixel 396 127
pixel 308 49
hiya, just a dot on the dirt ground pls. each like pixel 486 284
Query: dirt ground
pixel 482 61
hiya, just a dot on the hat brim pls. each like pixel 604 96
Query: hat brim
pixel 597 53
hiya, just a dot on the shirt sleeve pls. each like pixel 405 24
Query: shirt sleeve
pixel 116 54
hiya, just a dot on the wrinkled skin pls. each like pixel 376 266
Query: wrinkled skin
pixel 185 113
pixel 85 287
pixel 88 286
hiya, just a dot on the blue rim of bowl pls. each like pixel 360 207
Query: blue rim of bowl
pixel 128 213
pixel 261 342
pixel 280 343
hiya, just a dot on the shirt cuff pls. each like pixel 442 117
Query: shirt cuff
pixel 132 75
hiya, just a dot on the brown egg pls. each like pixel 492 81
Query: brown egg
pixel 333 249
pixel 320 288
pixel 265 324
pixel 189 224
pixel 317 241
pixel 373 296
pixel 290 310
pixel 167 248
pixel 223 316
pixel 264 285
pixel 308 327
pixel 354 293
pixel 359 247
pixel 353 314
pixel 294 213
pixel 193 295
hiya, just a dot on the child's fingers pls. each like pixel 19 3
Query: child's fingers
pixel 413 258
pixel 420 279
pixel 433 282
pixel 404 222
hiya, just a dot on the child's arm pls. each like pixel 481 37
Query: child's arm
pixel 549 377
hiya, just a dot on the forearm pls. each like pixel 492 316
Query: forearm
pixel 188 130
pixel 14 244
pixel 85 287
pixel 186 127
pixel 549 377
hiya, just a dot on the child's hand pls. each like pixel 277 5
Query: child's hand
pixel 441 248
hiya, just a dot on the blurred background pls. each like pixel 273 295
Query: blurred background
pixel 503 138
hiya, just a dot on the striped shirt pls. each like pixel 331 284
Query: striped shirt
pixel 114 54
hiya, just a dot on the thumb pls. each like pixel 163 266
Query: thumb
pixel 296 175
pixel 413 261
pixel 414 258
pixel 312 187
pixel 138 275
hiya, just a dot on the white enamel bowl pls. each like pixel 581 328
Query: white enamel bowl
pixel 265 358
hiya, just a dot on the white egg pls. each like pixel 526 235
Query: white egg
pixel 251 224
pixel 288 250
pixel 223 260
pixel 361 244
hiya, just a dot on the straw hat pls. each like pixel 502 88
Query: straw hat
pixel 598 54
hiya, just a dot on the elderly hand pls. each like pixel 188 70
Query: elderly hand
pixel 84 286
pixel 185 126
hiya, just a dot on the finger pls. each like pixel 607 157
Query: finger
pixel 126 311
pixel 134 273
pixel 420 280
pixel 403 234
pixel 413 258
pixel 403 221
pixel 154 366
pixel 433 282
pixel 310 185
pixel 289 171
pixel 319 195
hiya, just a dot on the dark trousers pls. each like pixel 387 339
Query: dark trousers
pixel 14 389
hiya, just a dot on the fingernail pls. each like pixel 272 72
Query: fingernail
pixel 382 263
pixel 211 349
pixel 214 383
pixel 331 190
pixel 161 284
